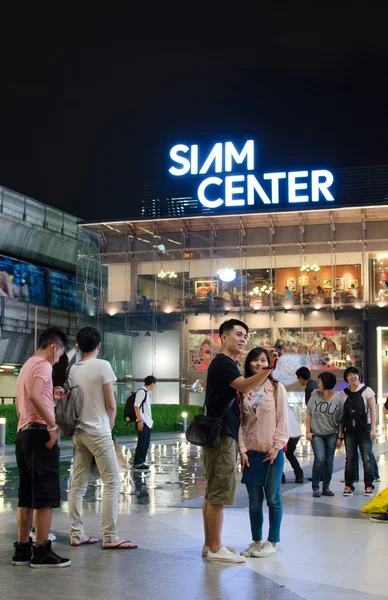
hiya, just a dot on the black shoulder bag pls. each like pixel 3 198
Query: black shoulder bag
pixel 205 431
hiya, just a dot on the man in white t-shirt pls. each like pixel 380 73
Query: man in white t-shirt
pixel 144 421
pixel 93 441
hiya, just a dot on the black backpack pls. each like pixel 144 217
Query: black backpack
pixel 355 415
pixel 129 409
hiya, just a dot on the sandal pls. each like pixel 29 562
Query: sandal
pixel 124 545
pixel 89 540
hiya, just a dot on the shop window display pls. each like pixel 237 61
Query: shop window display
pixel 162 292
pixel 379 278
pixel 319 349
pixel 314 285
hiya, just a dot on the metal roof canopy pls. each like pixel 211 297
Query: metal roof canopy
pixel 235 221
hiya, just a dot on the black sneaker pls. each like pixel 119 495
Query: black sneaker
pixel 44 556
pixel 284 478
pixel 380 518
pixel 299 479
pixel 141 467
pixel 22 554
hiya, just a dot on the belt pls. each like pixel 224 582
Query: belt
pixel 33 426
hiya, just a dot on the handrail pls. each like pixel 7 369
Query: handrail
pixel 2 398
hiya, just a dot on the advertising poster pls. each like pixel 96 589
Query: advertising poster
pixel 205 344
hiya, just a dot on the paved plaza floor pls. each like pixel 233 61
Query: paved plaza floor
pixel 328 549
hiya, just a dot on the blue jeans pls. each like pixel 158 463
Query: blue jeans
pixel 274 503
pixel 376 474
pixel 324 449
pixel 352 442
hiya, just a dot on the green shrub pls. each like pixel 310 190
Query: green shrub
pixel 166 418
pixel 9 412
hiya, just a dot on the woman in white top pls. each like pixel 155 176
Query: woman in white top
pixel 362 440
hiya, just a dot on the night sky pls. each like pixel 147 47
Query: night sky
pixel 91 103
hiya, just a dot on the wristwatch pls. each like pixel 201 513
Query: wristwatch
pixel 52 428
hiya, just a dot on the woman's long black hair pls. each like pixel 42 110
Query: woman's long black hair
pixel 59 371
pixel 254 353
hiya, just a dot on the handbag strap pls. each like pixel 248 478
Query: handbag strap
pixel 229 406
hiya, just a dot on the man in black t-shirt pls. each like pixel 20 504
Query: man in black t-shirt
pixel 304 378
pixel 224 381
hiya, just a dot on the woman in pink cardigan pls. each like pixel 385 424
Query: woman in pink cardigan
pixel 264 428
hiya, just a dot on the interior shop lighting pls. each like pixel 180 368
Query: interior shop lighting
pixel 167 274
pixel 8 367
pixel 226 275
pixel 314 268
pixel 259 291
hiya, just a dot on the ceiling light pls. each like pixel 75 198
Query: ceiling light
pixel 226 275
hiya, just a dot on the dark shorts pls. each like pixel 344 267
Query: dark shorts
pixel 220 471
pixel 38 466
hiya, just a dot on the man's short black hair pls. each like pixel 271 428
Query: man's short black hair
pixel 352 370
pixel 149 380
pixel 304 373
pixel 227 326
pixel 52 335
pixel 328 380
pixel 88 339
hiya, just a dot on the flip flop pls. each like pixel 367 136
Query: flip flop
pixel 120 546
pixel 89 540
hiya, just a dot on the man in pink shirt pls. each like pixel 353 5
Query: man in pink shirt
pixel 37 452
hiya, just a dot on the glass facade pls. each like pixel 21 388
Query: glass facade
pixel 159 291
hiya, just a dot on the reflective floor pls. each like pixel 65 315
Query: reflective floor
pixel 328 548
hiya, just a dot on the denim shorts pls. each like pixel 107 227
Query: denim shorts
pixel 39 485
pixel 220 470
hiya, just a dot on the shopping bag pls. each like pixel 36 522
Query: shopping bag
pixel 378 504
pixel 257 472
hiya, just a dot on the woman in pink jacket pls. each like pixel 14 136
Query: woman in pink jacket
pixel 264 428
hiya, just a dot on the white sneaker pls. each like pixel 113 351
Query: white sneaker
pixel 51 536
pixel 266 550
pixel 225 555
pixel 205 550
pixel 254 547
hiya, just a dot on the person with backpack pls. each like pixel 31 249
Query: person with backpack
pixel 359 424
pixel 144 422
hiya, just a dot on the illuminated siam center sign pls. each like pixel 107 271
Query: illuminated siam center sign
pixel 233 184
